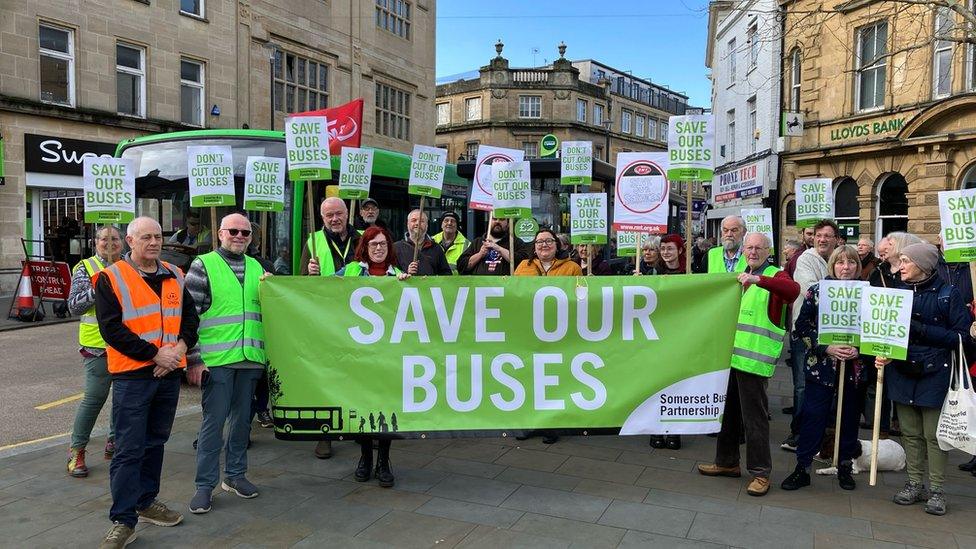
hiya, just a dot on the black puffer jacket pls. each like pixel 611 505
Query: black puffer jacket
pixel 939 318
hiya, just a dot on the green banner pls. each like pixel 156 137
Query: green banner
pixel 448 356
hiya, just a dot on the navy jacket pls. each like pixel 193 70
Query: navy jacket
pixel 939 318
pixel 820 367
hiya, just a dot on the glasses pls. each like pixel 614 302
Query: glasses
pixel 545 242
pixel 376 245
pixel 243 232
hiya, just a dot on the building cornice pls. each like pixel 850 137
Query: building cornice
pixel 32 107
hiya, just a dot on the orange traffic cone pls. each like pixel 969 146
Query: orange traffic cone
pixel 24 298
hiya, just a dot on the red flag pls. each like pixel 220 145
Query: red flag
pixel 345 124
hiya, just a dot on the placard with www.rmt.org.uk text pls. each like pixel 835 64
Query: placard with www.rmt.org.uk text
pixel 641 201
pixel 211 179
pixel 427 171
pixel 588 218
pixel 814 201
pixel 886 315
pixel 264 184
pixel 512 186
pixel 355 172
pixel 576 163
pixel 838 314
pixel 307 147
pixel 957 211
pixel 110 189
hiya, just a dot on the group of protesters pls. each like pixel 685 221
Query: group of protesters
pixel 143 322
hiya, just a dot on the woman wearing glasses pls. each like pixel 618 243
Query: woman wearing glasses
pixel 544 261
pixel 374 257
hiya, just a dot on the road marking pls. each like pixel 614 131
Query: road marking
pixel 26 442
pixel 65 400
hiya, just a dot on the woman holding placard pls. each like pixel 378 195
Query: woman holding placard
pixel 821 373
pixel 918 385
pixel 650 260
pixel 374 257
pixel 672 252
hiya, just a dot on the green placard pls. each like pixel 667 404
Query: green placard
pixel 691 144
pixel 886 315
pixel 462 356
pixel 839 312
pixel 526 228
pixel 957 213
pixel 548 146
pixel 307 148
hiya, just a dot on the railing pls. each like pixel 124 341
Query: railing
pixel 530 76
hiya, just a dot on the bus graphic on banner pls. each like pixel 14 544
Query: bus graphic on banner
pixel 295 420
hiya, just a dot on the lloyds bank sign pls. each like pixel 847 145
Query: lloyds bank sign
pixel 867 129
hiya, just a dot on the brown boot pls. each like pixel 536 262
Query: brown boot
pixel 827 446
pixel 712 470
pixel 758 487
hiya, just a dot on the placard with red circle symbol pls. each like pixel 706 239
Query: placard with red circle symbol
pixel 641 192
pixel 482 196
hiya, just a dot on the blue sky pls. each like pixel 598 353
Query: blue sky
pixel 660 40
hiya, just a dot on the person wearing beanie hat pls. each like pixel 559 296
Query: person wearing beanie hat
pixel 450 239
pixel 918 384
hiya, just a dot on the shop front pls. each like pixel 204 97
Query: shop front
pixel 887 168
pixel 743 185
pixel 55 206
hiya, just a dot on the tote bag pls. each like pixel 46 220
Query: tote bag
pixel 957 423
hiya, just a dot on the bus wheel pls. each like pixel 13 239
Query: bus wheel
pixel 325 428
pixel 287 427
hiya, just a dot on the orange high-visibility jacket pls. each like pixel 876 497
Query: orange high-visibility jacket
pixel 153 318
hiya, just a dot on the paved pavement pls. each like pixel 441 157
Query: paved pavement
pixel 579 492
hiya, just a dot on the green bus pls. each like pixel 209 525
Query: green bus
pixel 162 192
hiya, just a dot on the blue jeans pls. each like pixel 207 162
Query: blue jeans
pixel 97 384
pixel 798 356
pixel 227 398
pixel 818 410
pixel 143 410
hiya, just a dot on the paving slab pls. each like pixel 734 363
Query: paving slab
pixel 473 489
pixel 532 459
pixel 487 537
pixel 701 504
pixel 557 503
pixel 919 537
pixel 753 534
pixel 624 492
pixel 578 533
pixel 648 518
pixel 465 467
pixel 405 529
pixel 387 498
pixel 541 479
pixel 637 540
pixel 475 513
pixel 609 471
pixel 825 540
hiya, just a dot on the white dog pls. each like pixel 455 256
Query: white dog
pixel 891 457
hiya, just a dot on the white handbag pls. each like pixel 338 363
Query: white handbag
pixel 957 423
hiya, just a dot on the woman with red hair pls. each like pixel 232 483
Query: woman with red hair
pixel 672 261
pixel 374 257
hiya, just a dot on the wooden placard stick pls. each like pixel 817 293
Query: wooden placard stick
pixel 310 202
pixel 840 406
pixel 876 429
pixel 419 239
pixel 264 234
pixel 688 238
pixel 213 228
pixel 511 248
pixel 589 259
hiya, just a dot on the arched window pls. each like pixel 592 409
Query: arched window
pixel 791 213
pixel 892 204
pixel 969 180
pixel 795 80
pixel 846 209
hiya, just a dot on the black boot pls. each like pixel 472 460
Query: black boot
pixel 383 472
pixel 657 441
pixel 968 466
pixel 797 479
pixel 845 475
pixel 672 442
pixel 365 462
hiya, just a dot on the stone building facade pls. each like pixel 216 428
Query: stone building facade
pixel 581 100
pixel 743 54
pixel 79 76
pixel 890 111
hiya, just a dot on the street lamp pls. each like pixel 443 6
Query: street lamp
pixel 272 50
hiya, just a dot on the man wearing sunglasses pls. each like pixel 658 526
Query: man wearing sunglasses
pixel 229 359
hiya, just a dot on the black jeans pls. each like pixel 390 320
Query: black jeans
pixel 746 412
pixel 143 410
